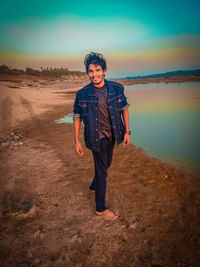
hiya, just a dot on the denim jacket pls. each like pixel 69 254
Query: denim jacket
pixel 86 109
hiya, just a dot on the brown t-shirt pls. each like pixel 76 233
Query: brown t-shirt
pixel 104 114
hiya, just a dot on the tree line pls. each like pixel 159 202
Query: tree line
pixel 55 72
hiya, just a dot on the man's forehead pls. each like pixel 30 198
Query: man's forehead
pixel 94 66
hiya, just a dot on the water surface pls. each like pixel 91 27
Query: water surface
pixel 165 119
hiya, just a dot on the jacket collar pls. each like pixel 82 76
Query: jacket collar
pixel 109 87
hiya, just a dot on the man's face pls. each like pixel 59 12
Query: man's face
pixel 96 74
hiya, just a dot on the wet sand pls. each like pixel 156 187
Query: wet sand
pixel 47 211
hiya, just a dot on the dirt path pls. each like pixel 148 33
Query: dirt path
pixel 48 213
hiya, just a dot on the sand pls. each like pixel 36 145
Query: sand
pixel 47 211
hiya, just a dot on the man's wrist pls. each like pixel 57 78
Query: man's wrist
pixel 128 132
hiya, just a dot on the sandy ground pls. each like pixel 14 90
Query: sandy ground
pixel 47 211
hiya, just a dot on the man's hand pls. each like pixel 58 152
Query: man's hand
pixel 126 140
pixel 79 150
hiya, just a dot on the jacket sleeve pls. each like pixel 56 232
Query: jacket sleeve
pixel 76 109
pixel 125 104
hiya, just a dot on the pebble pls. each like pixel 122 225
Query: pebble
pixel 133 225
pixel 38 233
pixel 74 238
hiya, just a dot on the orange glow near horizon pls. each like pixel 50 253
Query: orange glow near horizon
pixel 132 61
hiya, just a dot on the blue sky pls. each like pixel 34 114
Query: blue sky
pixel 135 36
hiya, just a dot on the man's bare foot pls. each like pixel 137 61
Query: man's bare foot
pixel 92 190
pixel 108 215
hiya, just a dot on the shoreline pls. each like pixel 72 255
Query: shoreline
pixel 171 79
pixel 84 79
pixel 176 165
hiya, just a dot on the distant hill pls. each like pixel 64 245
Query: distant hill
pixel 168 74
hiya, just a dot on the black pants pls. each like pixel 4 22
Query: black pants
pixel 102 161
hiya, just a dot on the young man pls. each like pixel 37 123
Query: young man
pixel 100 105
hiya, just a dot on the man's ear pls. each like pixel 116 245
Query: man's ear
pixel 104 72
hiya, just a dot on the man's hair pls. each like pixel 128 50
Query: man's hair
pixel 96 59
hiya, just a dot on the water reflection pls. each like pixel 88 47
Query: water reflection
pixel 165 121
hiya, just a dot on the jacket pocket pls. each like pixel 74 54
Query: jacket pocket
pixel 118 103
pixel 84 106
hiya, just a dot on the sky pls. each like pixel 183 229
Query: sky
pixel 136 37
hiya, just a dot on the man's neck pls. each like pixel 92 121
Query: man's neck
pixel 101 84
